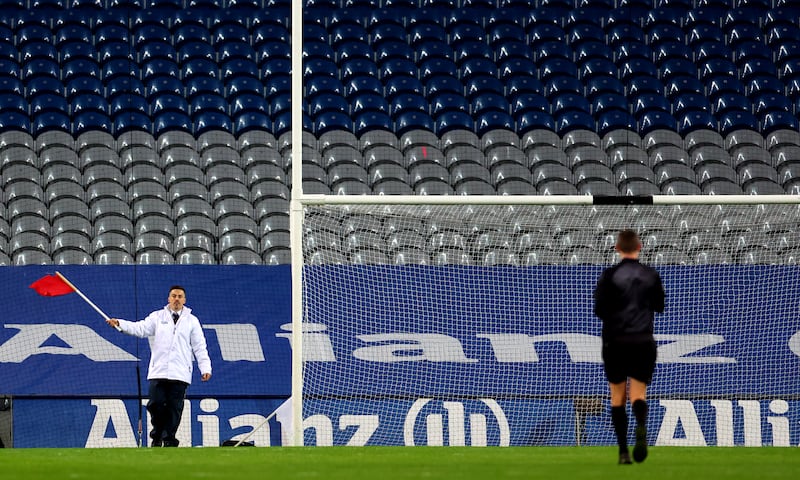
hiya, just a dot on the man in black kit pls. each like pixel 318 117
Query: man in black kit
pixel 626 297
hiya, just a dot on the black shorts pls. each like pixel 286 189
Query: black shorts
pixel 629 359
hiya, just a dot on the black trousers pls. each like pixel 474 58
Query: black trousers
pixel 165 405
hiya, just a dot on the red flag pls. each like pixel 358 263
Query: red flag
pixel 51 286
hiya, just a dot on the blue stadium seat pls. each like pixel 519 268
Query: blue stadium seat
pixel 91 121
pixel 48 102
pixel 705 32
pixel 124 85
pixel 196 50
pixel 366 102
pixel 386 31
pixel 453 120
pixel 324 84
pixel 539 33
pixel 682 84
pixel 412 120
pixel 33 33
pixel 393 49
pixel 153 49
pixel 362 84
pixel 332 120
pixel 163 84
pixel 115 51
pixel 529 101
pixel 408 102
pixel 433 67
pixel 574 120
pixel 39 85
pixel 205 121
pixel 171 121
pixel 640 84
pixel 483 84
pixel 249 121
pixel 13 102
pixel 749 50
pixel 745 32
pixel 778 120
pixel 552 49
pixel 569 101
pixel 711 50
pixel 471 49
pixel 764 84
pixel 516 67
pixel 48 121
pixel 493 120
pixel 725 102
pixel 271 50
pixel 206 102
pixel 131 121
pixel 489 101
pixel 609 101
pixel 367 121
pixel 168 102
pixel 202 85
pixel 625 33
pixel 248 103
pixel 89 102
pixel 358 66
pixel 757 67
pixel 694 120
pixel 447 102
pixel 243 84
pixel 77 49
pixel 656 120
pixel 328 102
pixel 601 85
pixel 590 50
pixel 736 120
pixel 562 84
pixel 10 120
pixel 231 50
pixel 769 102
pixel 443 83
pixel 635 67
pixel 662 33
pixel 556 67
pixel 718 84
pixel 39 67
pixel 683 102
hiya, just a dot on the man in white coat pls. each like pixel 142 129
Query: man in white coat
pixel 177 337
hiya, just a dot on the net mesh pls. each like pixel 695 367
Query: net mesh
pixel 474 324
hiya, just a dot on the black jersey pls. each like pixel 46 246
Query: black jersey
pixel 626 297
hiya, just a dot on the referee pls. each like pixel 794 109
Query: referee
pixel 626 297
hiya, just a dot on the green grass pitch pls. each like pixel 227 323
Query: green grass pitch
pixel 388 463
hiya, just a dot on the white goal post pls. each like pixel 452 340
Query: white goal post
pixel 467 320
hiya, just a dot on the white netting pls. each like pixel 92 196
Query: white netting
pixel 473 325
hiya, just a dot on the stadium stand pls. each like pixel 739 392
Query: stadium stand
pixel 153 134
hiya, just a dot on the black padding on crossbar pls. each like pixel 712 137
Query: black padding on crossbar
pixel 622 200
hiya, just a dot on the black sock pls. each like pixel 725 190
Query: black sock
pixel 619 417
pixel 639 408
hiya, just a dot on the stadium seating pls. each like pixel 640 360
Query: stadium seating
pixel 463 97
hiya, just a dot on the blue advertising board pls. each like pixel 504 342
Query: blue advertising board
pixel 453 344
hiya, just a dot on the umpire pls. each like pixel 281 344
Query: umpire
pixel 626 297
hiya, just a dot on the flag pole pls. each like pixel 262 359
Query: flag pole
pixel 86 299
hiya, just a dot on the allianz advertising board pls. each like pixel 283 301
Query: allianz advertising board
pixel 506 367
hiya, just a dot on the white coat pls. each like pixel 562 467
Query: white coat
pixel 172 344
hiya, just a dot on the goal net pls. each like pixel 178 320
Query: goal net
pixel 453 324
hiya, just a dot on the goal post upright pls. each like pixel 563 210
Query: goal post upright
pixel 296 220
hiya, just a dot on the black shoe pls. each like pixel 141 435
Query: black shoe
pixel 640 449
pixel 155 443
pixel 170 443
pixel 624 458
